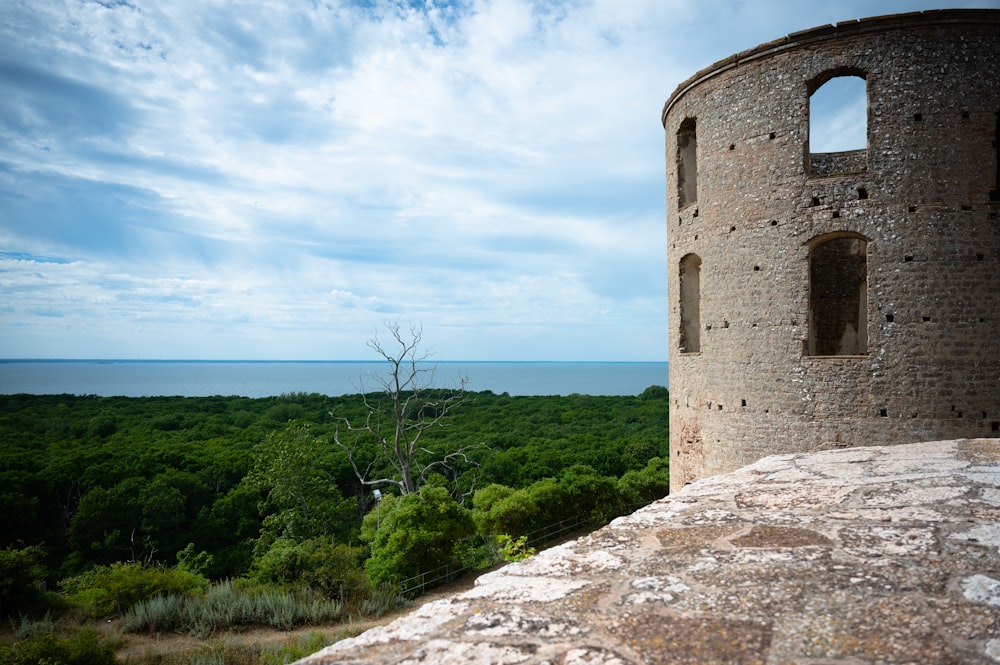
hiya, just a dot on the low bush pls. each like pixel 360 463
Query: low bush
pixel 84 648
pixel 108 590
pixel 224 606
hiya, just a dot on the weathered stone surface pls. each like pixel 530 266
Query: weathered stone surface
pixel 867 555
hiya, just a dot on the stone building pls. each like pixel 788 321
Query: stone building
pixel 830 299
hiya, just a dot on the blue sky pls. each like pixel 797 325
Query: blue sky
pixel 272 180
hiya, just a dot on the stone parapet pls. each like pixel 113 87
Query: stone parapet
pixel 861 555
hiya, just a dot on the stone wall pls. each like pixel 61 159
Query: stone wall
pixel 866 555
pixel 921 196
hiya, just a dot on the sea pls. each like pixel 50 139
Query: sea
pixel 198 378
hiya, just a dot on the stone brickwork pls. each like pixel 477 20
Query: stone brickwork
pixel 770 352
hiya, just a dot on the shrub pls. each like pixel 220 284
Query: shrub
pixel 84 648
pixel 319 563
pixel 637 488
pixel 21 573
pixel 382 600
pixel 223 606
pixel 106 590
pixel 415 534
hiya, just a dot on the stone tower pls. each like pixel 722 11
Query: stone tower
pixel 822 300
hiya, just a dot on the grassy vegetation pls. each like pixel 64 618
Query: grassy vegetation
pixel 207 522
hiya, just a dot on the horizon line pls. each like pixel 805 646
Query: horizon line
pixel 292 360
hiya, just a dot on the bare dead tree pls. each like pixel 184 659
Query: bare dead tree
pixel 398 416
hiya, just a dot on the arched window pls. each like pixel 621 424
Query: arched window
pixel 838 123
pixel 687 163
pixel 690 303
pixel 838 295
pixel 995 194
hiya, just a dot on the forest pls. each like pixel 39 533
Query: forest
pixel 194 514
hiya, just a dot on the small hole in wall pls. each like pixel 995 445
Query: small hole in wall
pixel 890 318
pixel 926 319
pixel 884 413
pixel 756 268
pixel 966 207
pixel 836 214
pixel 767 410
pixel 979 257
pixel 771 136
pixel 720 407
pixel 965 115
pixel 984 415
pixel 995 426
pixel 918 117
pixel 695 213
pixel 912 208
pixel 732 228
pixel 862 193
pixel 695 236
pixel 732 146
pixel 774 222
pixel 959 414
pixel 743 402
pixel 815 200
pixel 908 258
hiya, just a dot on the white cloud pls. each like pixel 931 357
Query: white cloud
pixel 266 180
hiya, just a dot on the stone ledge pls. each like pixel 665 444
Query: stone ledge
pixel 861 555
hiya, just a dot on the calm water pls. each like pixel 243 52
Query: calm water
pixel 263 379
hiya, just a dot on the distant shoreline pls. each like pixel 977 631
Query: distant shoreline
pixel 327 362
pixel 263 378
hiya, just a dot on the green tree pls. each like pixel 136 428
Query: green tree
pixel 637 488
pixel 414 534
pixel 588 492
pixel 301 500
pixel 498 509
pixel 321 563
pixel 21 574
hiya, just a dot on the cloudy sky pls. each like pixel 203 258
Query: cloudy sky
pixel 272 180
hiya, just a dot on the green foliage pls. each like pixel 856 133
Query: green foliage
pixel 302 500
pixel 637 488
pixel 321 563
pixel 586 492
pixel 414 534
pixel 107 590
pixel 101 480
pixel 514 549
pixel 193 562
pixel 655 393
pixel 21 573
pixel 239 650
pixel 381 600
pixel 84 648
pixel 224 606
pixel 498 509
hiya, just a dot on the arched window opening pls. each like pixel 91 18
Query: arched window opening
pixel 838 296
pixel 690 304
pixel 995 194
pixel 838 124
pixel 687 163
